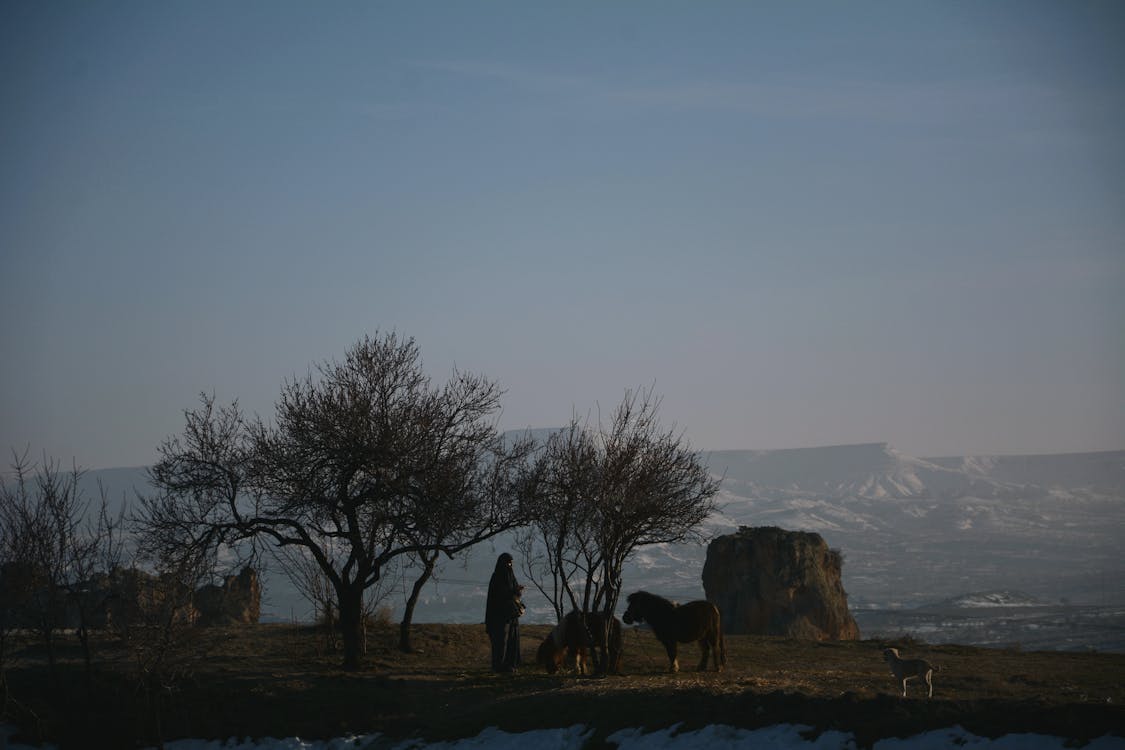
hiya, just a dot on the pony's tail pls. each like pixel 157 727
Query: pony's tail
pixel 721 644
pixel 722 647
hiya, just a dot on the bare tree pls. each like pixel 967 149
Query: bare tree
pixel 55 551
pixel 95 559
pixel 367 454
pixel 654 489
pixel 558 551
pixel 16 577
pixel 605 491
pixel 41 508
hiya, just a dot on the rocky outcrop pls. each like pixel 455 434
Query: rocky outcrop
pixel 131 597
pixel 237 602
pixel 769 581
pixel 127 597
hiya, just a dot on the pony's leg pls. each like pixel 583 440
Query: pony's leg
pixel 673 663
pixel 704 652
pixel 717 653
pixel 600 662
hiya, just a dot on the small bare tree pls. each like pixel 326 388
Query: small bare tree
pixel 16 582
pixel 653 488
pixel 605 491
pixel 58 551
pixel 41 508
pixel 314 586
pixel 558 551
pixel 96 559
pixel 155 618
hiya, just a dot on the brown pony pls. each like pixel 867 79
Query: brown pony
pixel 672 624
pixel 573 641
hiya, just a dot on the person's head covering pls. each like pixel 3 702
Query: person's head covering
pixel 503 561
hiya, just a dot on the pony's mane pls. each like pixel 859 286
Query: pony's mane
pixel 652 598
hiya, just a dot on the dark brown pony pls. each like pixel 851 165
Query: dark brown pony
pixel 574 640
pixel 673 623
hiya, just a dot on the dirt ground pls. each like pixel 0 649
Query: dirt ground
pixel 285 680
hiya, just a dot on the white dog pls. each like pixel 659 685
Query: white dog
pixel 908 669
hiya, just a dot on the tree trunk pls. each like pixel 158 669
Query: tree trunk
pixel 152 698
pixel 48 634
pixel 351 626
pixel 612 594
pixel 83 634
pixel 408 612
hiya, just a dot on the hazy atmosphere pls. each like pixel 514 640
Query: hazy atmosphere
pixel 803 224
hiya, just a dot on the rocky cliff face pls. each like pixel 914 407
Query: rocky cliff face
pixel 769 581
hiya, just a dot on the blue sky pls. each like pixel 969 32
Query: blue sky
pixel 802 223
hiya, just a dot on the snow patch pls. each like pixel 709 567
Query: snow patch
pixel 713 737
pixel 995 599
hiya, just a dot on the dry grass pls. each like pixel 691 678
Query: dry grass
pixel 283 680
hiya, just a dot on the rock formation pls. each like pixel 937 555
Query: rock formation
pixel 769 581
pixel 126 598
pixel 237 602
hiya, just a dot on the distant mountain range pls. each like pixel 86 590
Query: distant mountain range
pixel 917 530
pixel 914 531
pixel 878 471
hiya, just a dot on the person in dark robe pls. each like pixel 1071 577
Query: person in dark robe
pixel 501 616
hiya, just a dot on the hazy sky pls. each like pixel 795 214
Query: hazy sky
pixel 802 223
